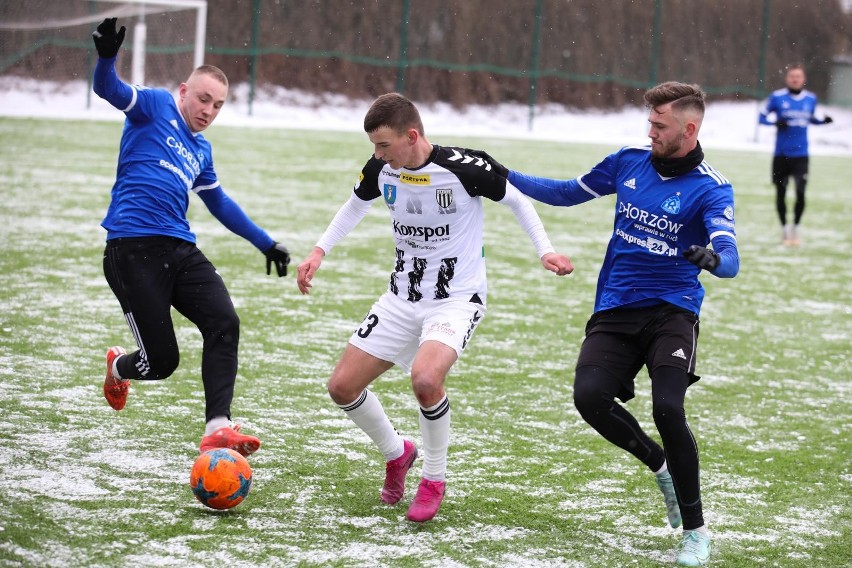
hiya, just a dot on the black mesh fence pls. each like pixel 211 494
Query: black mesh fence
pixel 583 53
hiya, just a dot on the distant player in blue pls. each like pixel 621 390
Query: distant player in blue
pixel 671 208
pixel 151 261
pixel 795 108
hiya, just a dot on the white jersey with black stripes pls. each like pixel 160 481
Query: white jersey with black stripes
pixel 437 222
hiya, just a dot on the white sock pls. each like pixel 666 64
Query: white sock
pixel 369 415
pixel 435 430
pixel 703 530
pixel 215 423
pixel 663 469
pixel 115 367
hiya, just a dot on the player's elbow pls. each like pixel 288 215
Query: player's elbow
pixel 99 89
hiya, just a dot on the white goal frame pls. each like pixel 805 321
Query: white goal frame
pixel 140 31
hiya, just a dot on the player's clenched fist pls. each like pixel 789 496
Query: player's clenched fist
pixel 557 263
pixel 307 269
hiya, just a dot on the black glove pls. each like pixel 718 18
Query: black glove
pixel 107 40
pixel 498 168
pixel 827 120
pixel 278 254
pixel 702 257
pixel 781 124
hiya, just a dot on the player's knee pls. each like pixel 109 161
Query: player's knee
pixel 225 326
pixel 671 424
pixel 670 384
pixel 586 401
pixel 588 396
pixel 160 366
pixel 340 392
pixel 334 391
pixel 668 411
pixel 221 333
pixel 428 387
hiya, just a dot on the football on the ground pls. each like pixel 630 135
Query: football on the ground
pixel 220 478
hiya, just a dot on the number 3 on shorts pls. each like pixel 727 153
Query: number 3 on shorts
pixel 367 326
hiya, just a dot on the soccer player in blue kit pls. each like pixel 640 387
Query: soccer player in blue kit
pixel 794 108
pixel 151 261
pixel 670 204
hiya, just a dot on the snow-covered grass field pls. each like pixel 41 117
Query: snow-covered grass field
pixel 530 484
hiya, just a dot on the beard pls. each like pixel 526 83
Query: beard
pixel 668 149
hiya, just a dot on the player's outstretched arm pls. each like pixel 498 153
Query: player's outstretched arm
pixel 559 264
pixel 106 83
pixel 347 217
pixel 307 269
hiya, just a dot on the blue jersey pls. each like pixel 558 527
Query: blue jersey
pixel 656 219
pixel 798 111
pixel 160 162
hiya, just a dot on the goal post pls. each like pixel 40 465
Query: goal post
pixel 49 40
pixel 140 29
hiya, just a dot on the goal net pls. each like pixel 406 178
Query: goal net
pixel 51 40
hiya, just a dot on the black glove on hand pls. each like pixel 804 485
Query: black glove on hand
pixel 781 124
pixel 498 168
pixel 107 40
pixel 827 120
pixel 702 257
pixel 278 254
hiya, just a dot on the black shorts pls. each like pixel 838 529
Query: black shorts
pixel 784 167
pixel 622 340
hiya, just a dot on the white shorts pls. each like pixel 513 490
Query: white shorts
pixel 394 328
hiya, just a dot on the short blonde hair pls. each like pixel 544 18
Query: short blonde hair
pixel 212 71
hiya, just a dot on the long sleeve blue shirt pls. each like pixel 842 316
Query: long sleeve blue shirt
pixel 797 111
pixel 656 219
pixel 160 162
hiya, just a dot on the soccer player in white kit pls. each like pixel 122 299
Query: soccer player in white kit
pixel 437 291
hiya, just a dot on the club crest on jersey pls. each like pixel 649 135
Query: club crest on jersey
pixel 390 194
pixel 672 205
pixel 444 197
